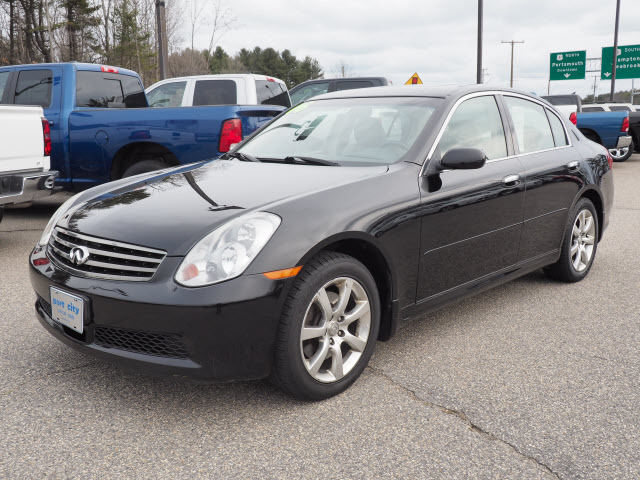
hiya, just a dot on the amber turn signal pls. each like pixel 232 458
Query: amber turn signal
pixel 280 274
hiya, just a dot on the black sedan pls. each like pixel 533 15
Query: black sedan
pixel 290 256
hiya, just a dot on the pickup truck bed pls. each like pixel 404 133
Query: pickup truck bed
pixel 24 165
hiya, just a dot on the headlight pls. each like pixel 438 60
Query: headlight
pixel 227 251
pixel 46 234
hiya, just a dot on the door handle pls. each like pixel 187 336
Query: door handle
pixel 572 166
pixel 511 180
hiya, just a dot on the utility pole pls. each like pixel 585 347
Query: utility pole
pixel 615 52
pixel 479 59
pixel 161 29
pixel 513 42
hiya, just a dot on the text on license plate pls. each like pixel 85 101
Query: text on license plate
pixel 67 309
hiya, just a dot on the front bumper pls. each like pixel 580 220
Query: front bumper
pixel 26 186
pixel 221 332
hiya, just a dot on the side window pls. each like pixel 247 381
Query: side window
pixel 4 78
pixel 476 123
pixel 351 84
pixel 619 108
pixel 531 125
pixel 309 91
pixel 34 88
pixel 134 96
pixel 167 95
pixel 215 92
pixel 558 131
pixel 272 93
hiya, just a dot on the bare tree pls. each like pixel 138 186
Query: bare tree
pixel 223 20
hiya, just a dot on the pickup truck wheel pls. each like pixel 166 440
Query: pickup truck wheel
pixel 144 166
pixel 622 154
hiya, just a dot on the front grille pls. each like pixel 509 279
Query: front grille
pixel 158 344
pixel 107 259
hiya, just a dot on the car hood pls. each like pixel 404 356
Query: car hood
pixel 172 210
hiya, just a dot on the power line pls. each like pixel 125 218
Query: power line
pixel 512 42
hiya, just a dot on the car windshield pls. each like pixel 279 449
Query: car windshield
pixel 350 131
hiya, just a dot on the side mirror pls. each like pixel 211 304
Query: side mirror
pixel 463 159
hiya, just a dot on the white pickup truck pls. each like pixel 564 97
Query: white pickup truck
pixel 25 146
pixel 222 89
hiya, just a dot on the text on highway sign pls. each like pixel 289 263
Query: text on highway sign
pixel 567 65
pixel 628 63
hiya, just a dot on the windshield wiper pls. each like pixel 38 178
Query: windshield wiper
pixel 310 161
pixel 245 157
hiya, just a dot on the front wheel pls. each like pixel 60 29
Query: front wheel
pixel 328 329
pixel 579 245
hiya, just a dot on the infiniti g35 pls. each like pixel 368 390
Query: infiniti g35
pixel 292 254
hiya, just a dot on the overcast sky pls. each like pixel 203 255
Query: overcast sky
pixel 435 38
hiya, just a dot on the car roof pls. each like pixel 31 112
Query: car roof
pixel 81 66
pixel 219 76
pixel 442 91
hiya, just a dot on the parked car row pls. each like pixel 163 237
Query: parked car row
pixel 606 124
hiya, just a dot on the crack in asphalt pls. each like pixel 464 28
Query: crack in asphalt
pixel 464 418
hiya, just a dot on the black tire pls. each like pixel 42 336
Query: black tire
pixel 564 270
pixel 144 166
pixel 289 371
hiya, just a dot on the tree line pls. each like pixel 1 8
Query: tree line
pixel 123 33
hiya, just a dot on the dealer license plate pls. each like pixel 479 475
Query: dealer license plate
pixel 67 309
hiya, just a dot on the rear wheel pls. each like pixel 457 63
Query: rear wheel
pixel 144 166
pixel 579 245
pixel 622 154
pixel 328 329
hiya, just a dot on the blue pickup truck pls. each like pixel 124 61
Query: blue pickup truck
pixel 102 130
pixel 610 129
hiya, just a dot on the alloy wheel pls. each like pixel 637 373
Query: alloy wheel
pixel 335 329
pixel 619 153
pixel 582 240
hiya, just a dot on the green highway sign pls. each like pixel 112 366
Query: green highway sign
pixel 567 65
pixel 628 63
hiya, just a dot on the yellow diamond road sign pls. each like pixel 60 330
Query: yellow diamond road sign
pixel 414 80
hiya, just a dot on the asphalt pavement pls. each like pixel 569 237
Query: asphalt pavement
pixel 534 379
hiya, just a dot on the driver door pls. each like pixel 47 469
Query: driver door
pixel 471 225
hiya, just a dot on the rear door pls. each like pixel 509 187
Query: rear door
pixel 552 174
pixel 471 225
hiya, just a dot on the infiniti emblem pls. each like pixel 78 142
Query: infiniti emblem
pixel 79 255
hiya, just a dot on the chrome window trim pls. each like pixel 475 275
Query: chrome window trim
pixel 493 93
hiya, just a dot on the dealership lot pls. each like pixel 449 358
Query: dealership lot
pixel 533 379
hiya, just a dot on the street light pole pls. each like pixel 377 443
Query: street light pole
pixel 161 29
pixel 479 59
pixel 615 52
pixel 512 42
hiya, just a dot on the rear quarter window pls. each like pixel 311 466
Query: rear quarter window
pixel 352 84
pixel 34 88
pixel 272 93
pixel 108 90
pixel 215 92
